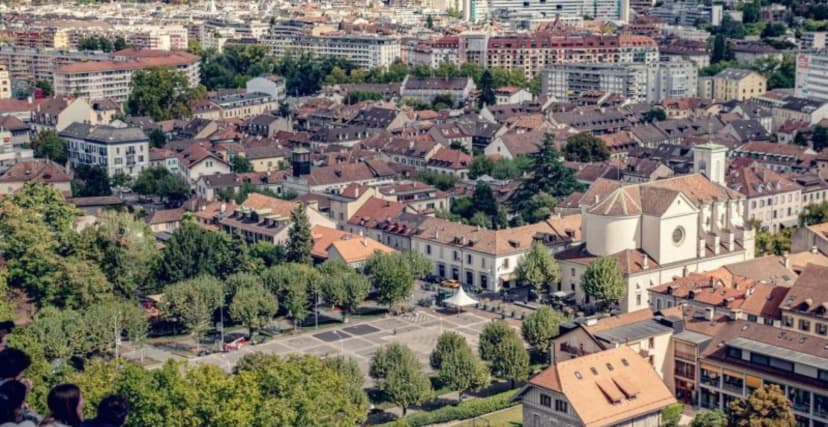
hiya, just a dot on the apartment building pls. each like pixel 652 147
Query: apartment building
pixel 235 105
pixel 533 52
pixel 742 357
pixel 733 84
pixel 40 63
pixel 38 37
pixel 811 69
pixel 432 53
pixel 565 82
pixel 774 201
pixel 487 259
pixel 805 309
pixel 119 150
pixel 111 79
pixel 365 51
pixel 603 9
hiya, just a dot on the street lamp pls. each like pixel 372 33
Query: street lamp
pixel 341 345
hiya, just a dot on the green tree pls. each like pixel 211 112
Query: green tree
pixel 713 418
pixel 173 189
pixel 502 348
pixel 671 415
pixel 78 283
pixel 253 306
pixel 106 322
pixel 91 181
pixel 193 251
pixel 752 12
pixel 721 50
pixel 540 327
pixel 393 274
pixel 538 268
pixel 157 138
pixel 47 145
pixel 820 138
pixel 814 214
pixel 343 286
pixel 46 88
pixel 774 29
pixel 480 165
pixel 765 407
pixel 429 22
pixel 655 115
pixel 486 86
pixel 349 369
pixel 161 93
pixel 192 303
pixel 538 208
pixel 585 147
pixel 459 368
pixel 550 176
pixel 300 241
pixel 119 44
pixel 603 281
pixel 241 164
pixel 400 377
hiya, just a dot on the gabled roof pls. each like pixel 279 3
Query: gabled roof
pixel 268 206
pixel 608 387
pixel 38 170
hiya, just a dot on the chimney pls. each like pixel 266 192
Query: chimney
pixel 645 265
pixel 786 260
pixel 702 247
pixel 709 313
pixel 731 241
pixel 814 249
pixel 716 244
pixel 223 207
pixel 597 199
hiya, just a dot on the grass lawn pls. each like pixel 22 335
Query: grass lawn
pixel 507 418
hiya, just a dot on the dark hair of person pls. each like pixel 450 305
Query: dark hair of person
pixel 113 409
pixel 13 362
pixel 12 396
pixel 6 327
pixel 63 401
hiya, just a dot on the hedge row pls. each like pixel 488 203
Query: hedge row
pixel 463 411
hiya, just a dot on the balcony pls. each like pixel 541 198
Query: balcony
pixel 708 380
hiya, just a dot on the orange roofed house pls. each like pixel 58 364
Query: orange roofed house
pixel 263 218
pixel 354 250
pixel 611 388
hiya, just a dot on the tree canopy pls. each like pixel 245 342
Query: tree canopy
pixel 550 176
pixel 502 348
pixel 537 267
pixel 540 326
pixel 765 407
pixel 585 147
pixel 300 241
pixel 603 281
pixel 400 377
pixel 393 274
pixel 47 145
pixel 161 93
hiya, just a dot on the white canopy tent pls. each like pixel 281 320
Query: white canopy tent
pixel 460 299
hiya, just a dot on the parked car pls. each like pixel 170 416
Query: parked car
pixel 450 283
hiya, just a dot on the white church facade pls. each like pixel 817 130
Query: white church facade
pixel 662 229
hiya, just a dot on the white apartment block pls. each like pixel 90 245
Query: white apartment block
pixel 116 149
pixel 40 63
pixel 605 9
pixel 772 199
pixel 364 51
pixel 812 75
pixel 112 79
pixel 563 82
pixel 676 78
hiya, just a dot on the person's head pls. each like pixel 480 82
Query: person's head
pixel 5 329
pixel 66 404
pixel 13 363
pixel 113 410
pixel 12 396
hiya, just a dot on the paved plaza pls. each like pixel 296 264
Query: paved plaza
pixel 418 330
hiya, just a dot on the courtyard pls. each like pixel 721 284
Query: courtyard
pixel 418 330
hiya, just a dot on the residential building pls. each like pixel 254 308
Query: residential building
pixel 565 82
pixel 662 229
pixel 773 200
pixel 196 161
pixel 486 259
pixel 35 170
pixel 332 179
pixel 806 110
pixel 610 388
pixel 733 83
pixel 782 158
pixel 267 219
pixel 812 237
pixel 812 40
pixel 742 357
pixel 533 52
pixel 675 78
pixel 805 308
pixel 119 150
pixel 41 63
pixel 165 220
pixel 270 84
pixel 512 95
pixel 333 244
pixel 235 105
pixel 59 112
pixel 112 79
pixel 605 9
pixel 364 51
pixel 426 88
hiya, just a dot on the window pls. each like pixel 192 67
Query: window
pixel 651 342
pixel 821 328
pixel 735 353
pixel 469 259
pixel 546 400
pixel 787 321
pixel 804 325
pixel 678 235
pixel 561 406
pixel 428 249
pixel 638 299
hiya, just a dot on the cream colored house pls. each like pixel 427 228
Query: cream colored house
pixel 774 201
pixel 5 83
pixel 267 219
pixel 615 388
pixel 733 84
pixel 662 229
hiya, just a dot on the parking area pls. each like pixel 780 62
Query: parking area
pixel 418 330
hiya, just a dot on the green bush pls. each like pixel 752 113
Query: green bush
pixel 670 415
pixel 463 411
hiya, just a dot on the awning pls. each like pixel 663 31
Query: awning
pixel 460 299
